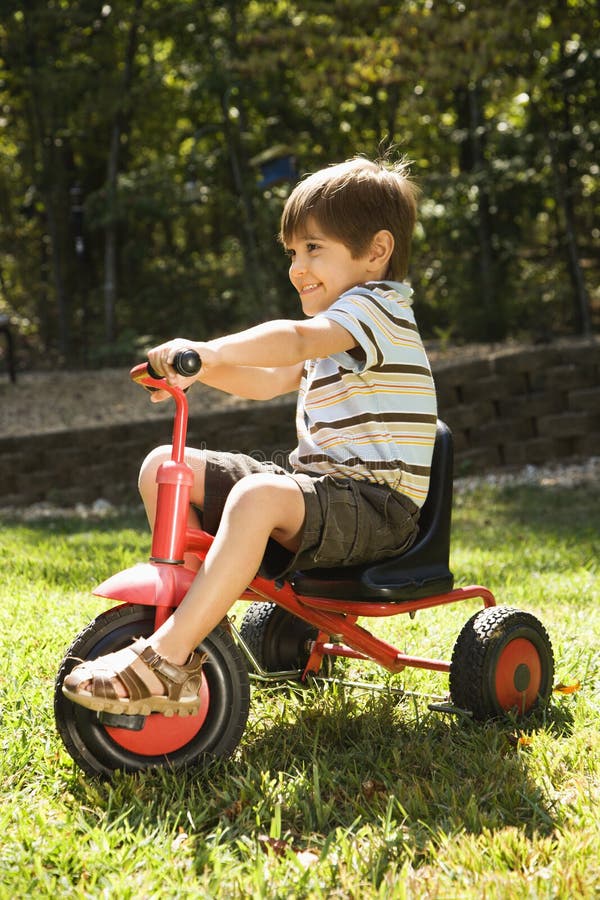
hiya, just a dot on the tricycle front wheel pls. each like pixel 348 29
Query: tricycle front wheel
pixel 101 744
pixel 502 664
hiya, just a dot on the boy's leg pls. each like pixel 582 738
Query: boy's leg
pixel 148 487
pixel 258 507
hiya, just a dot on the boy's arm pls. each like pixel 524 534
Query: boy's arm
pixel 280 345
pixel 248 382
pixel 253 382
pixel 283 342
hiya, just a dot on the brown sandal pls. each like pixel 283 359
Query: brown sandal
pixel 181 683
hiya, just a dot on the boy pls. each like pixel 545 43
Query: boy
pixel 366 420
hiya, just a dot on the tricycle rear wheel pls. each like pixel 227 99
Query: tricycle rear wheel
pixel 101 747
pixel 502 663
pixel 279 641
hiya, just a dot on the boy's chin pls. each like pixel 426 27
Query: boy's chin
pixel 311 308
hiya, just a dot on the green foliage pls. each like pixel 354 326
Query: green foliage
pixel 497 106
pixel 334 792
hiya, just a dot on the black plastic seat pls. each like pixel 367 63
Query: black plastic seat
pixel 420 572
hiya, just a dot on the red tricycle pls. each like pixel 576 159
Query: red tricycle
pixel 502 661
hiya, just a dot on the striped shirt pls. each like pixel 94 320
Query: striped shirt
pixel 370 413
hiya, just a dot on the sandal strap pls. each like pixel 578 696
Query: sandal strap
pixel 102 685
pixel 177 680
pixel 133 681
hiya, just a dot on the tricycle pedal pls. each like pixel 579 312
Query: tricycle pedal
pixel 450 709
pixel 115 720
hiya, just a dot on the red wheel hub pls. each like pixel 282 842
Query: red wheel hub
pixel 163 734
pixel 518 675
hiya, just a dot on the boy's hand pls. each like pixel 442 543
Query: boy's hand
pixel 157 396
pixel 161 359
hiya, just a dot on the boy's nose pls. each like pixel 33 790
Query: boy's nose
pixel 297 266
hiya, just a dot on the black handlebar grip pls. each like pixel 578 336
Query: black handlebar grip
pixel 186 363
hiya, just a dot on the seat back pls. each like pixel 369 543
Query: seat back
pixel 433 540
pixel 422 570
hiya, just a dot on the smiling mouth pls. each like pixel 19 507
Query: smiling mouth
pixel 308 288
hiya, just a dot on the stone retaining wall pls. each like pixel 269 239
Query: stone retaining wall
pixel 517 406
pixel 522 406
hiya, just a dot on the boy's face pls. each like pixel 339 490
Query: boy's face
pixel 322 268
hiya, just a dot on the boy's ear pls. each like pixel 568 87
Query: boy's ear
pixel 381 249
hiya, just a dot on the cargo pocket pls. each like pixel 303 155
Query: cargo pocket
pixel 387 522
pixel 340 522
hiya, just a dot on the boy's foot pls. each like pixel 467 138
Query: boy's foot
pixel 99 684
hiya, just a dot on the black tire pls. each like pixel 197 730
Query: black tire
pixel 100 748
pixel 502 664
pixel 279 640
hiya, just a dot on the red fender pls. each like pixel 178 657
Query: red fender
pixel 150 584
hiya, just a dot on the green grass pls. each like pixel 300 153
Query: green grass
pixel 332 792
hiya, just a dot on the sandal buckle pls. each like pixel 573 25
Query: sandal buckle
pixel 151 657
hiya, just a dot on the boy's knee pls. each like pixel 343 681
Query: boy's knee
pixel 247 490
pixel 151 465
pixel 258 491
pixel 268 503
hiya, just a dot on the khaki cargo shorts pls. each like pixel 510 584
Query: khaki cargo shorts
pixel 347 522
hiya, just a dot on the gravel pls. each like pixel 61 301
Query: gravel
pixel 43 402
pixel 567 474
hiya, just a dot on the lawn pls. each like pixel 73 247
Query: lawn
pixel 333 792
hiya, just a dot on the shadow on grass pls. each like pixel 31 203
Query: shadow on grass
pixel 331 764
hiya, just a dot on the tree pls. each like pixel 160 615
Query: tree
pixel 158 112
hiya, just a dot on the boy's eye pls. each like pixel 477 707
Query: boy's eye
pixel 310 248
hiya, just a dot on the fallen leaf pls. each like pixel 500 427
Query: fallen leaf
pixel 274 845
pixel 179 840
pixel 233 811
pixel 519 740
pixel 561 688
pixel 371 786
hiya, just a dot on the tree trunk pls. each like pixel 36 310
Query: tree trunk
pixel 484 227
pixel 559 152
pixel 473 163
pixel 120 126
pixel 63 306
pixel 110 236
pixel 564 196
pixel 44 139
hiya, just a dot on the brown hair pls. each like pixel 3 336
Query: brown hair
pixel 352 201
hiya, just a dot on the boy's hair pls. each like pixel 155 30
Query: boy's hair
pixel 352 201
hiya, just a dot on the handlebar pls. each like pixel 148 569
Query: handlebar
pixel 185 362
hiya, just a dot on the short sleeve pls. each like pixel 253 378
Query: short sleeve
pixel 350 316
